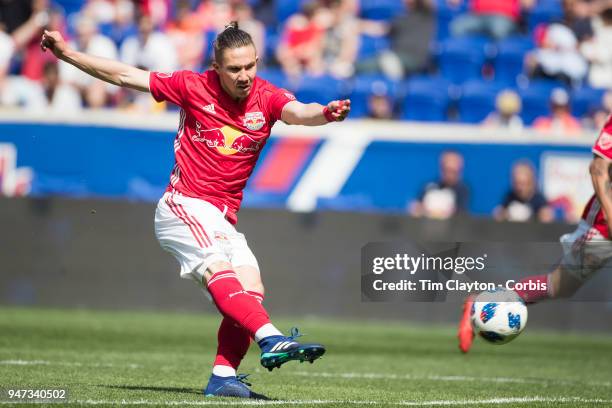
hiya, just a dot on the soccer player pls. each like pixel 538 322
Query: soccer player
pixel 226 116
pixel 586 250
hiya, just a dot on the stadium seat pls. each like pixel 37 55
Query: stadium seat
pixel 272 41
pixel 285 8
pixel 273 75
pixel 544 12
pixel 586 100
pixel 510 58
pixel 427 99
pixel 445 14
pixel 380 9
pixel 365 85
pixel 536 99
pixel 461 59
pixel 370 46
pixel 321 89
pixel 477 100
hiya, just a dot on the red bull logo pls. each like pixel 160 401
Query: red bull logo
pixel 227 140
pixel 254 120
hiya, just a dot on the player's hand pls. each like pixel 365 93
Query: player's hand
pixel 339 110
pixel 54 41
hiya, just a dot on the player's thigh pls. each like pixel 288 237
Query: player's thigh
pixel 185 230
pixel 243 260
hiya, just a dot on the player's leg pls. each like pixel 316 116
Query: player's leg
pixel 180 231
pixel 233 343
pixel 276 350
pixel 465 332
pixel 233 340
pixel 235 303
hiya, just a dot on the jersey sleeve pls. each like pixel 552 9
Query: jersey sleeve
pixel 603 145
pixel 277 101
pixel 168 86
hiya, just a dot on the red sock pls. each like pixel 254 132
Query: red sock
pixel 233 340
pixel 533 288
pixel 235 303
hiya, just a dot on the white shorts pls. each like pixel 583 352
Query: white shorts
pixel 198 235
pixel 585 251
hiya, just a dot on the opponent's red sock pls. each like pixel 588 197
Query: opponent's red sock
pixel 233 342
pixel 533 288
pixel 235 303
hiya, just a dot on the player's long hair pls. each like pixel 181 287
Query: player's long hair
pixel 231 37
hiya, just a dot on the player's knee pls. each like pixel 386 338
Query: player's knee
pixel 256 287
pixel 214 268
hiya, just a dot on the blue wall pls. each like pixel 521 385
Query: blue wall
pixel 85 161
pixel 392 173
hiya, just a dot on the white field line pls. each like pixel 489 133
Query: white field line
pixel 460 378
pixel 350 375
pixel 64 363
pixel 443 403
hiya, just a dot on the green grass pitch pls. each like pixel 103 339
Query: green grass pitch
pixel 155 359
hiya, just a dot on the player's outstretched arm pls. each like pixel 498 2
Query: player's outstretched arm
pixel 114 72
pixel 600 175
pixel 314 114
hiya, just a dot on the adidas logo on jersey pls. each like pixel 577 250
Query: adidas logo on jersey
pixel 209 108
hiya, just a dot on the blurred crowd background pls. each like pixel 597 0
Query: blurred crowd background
pixel 507 63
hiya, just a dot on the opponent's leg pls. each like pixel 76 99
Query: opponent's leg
pixel 465 332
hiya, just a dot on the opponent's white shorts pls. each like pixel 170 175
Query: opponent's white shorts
pixel 585 251
pixel 198 235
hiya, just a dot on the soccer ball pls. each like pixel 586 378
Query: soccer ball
pixel 498 316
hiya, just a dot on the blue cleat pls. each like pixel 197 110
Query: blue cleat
pixel 236 387
pixel 277 350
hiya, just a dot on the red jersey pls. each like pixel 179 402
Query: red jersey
pixel 508 8
pixel 593 214
pixel 219 139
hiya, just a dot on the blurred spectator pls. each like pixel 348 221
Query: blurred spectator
pixel 558 57
pixel 7 48
pixel 187 34
pixel 561 120
pixel 59 98
pixel 14 13
pixel 244 15
pixel 494 18
pixel 301 47
pixel 578 14
pixel 446 197
pixel 508 106
pixel 598 51
pixel 380 104
pixel 524 202
pixel 149 49
pixel 265 11
pixel 122 25
pixel 213 15
pixel 411 34
pixel 159 10
pixel 33 58
pixel 96 93
pixel 341 39
pixel 598 119
pixel 100 11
